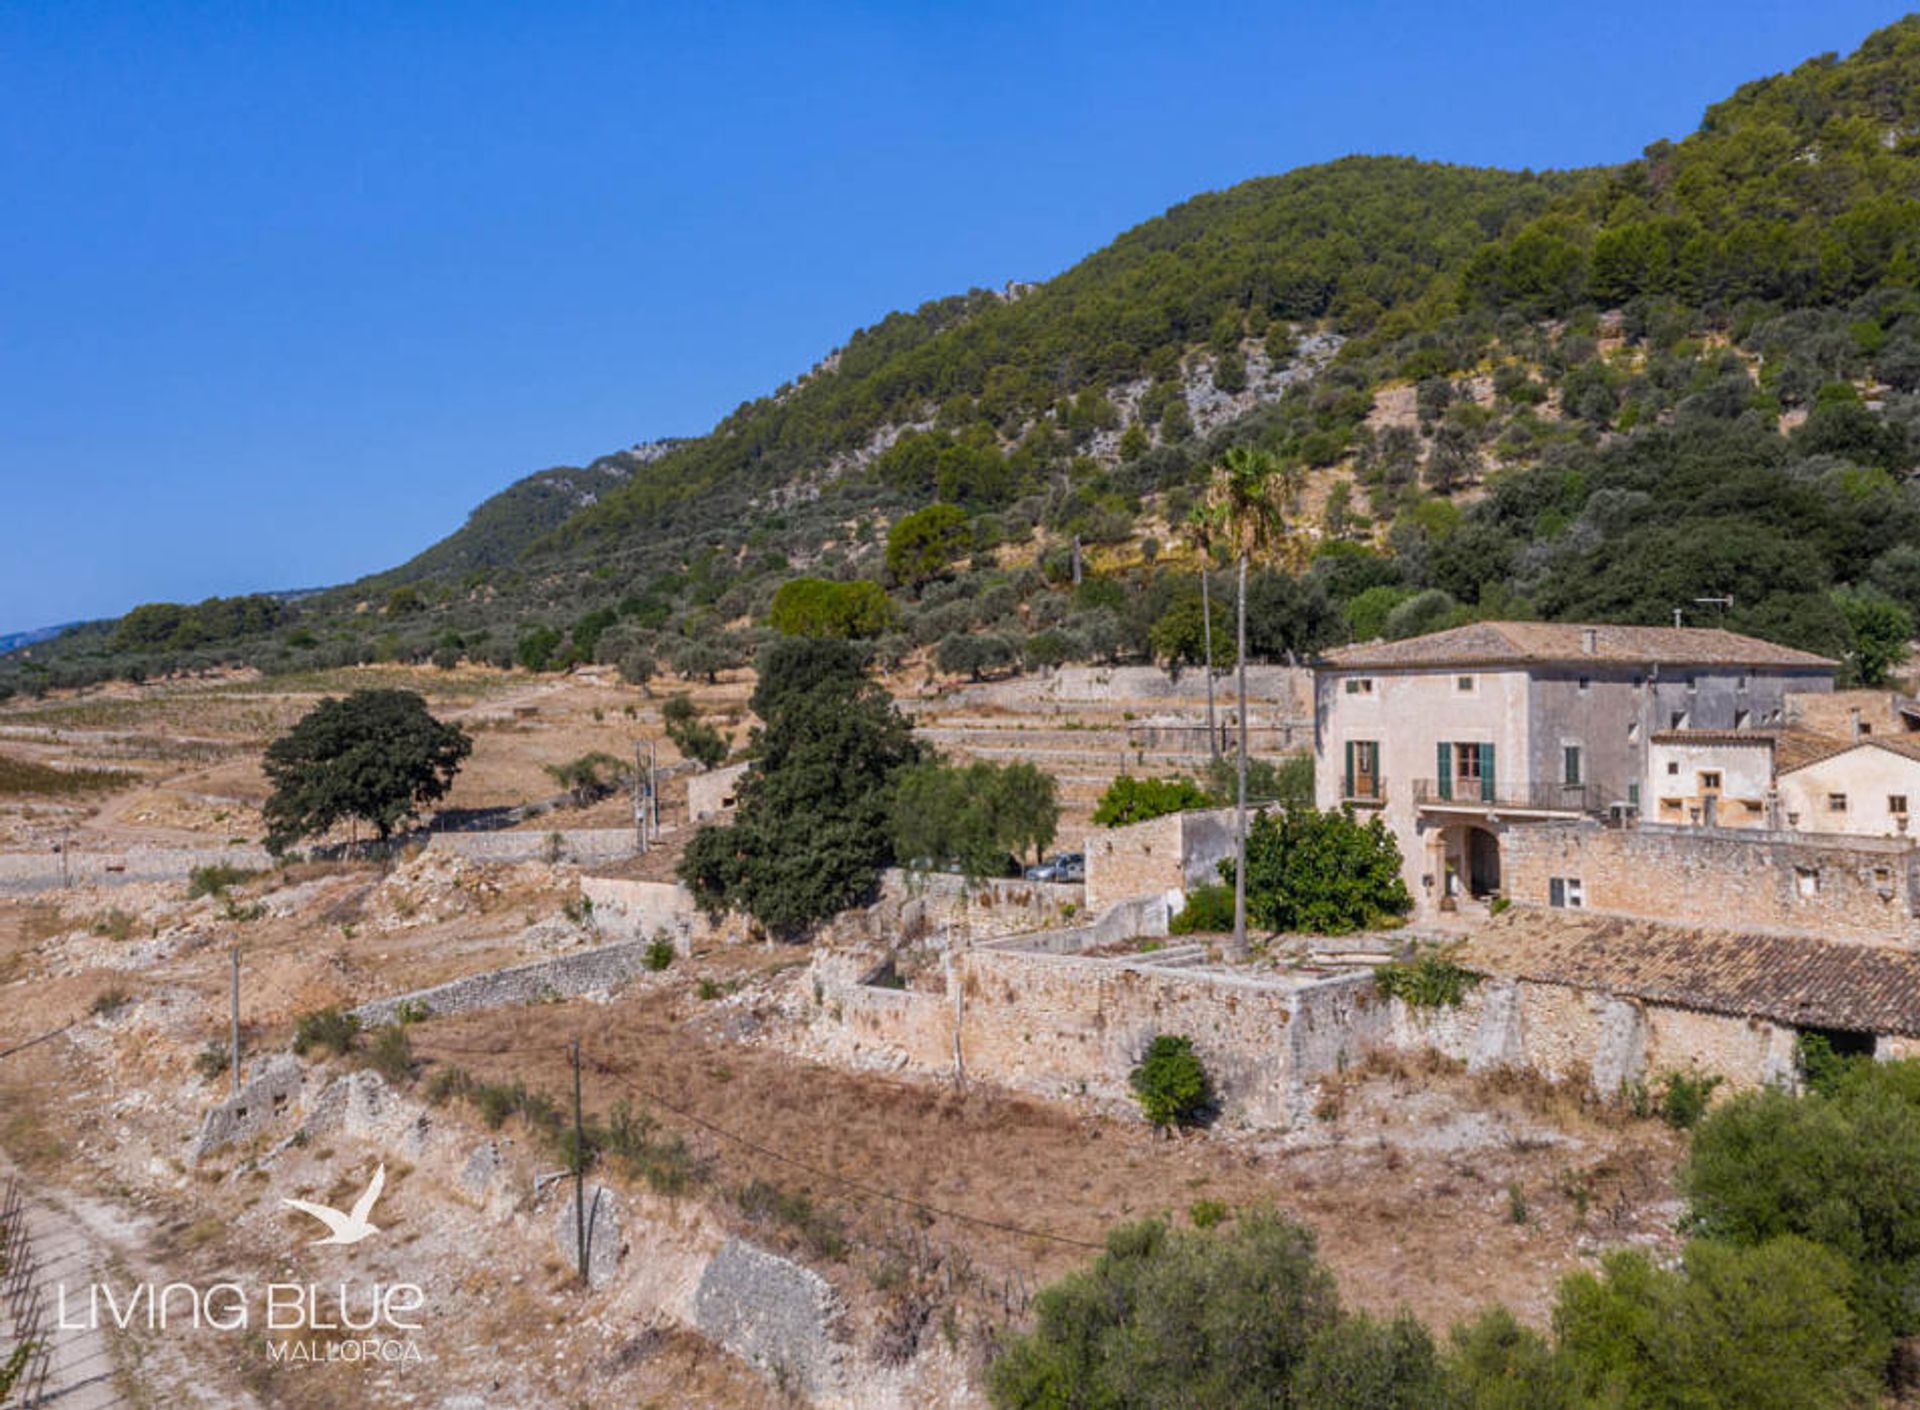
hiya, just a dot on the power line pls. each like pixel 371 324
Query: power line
pixel 34 1042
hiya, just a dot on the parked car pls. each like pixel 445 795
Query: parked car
pixel 1062 866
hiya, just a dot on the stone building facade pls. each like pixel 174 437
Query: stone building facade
pixel 1463 738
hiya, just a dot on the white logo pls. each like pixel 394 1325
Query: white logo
pixel 346 1228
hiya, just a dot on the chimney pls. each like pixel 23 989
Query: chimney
pixel 1590 640
pixel 1853 723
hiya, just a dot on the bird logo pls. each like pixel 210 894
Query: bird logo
pixel 345 1228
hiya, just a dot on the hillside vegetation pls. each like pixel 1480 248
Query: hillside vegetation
pixel 1600 394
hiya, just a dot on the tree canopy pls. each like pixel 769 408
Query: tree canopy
pixel 374 755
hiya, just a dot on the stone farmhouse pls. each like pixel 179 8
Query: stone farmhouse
pixel 1464 739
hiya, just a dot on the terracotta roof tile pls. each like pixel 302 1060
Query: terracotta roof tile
pixel 1817 749
pixel 1524 643
pixel 1802 982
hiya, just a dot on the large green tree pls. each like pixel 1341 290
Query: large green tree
pixel 810 835
pixel 973 816
pixel 377 756
pixel 1324 873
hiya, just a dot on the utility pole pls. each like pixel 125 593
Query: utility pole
pixel 653 788
pixel 1240 790
pixel 234 1014
pixel 641 781
pixel 579 1167
pixel 1206 629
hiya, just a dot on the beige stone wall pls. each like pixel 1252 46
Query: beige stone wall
pixel 1408 715
pixel 1673 793
pixel 1064 1025
pixel 1867 778
pixel 1857 889
pixel 1159 857
pixel 711 794
pixel 1744 1052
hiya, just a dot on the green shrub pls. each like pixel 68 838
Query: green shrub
pixel 1321 872
pixel 390 1053
pixel 1428 981
pixel 214 1060
pixel 1760 1328
pixel 1209 911
pixel 1207 1213
pixel 659 953
pixel 1684 1098
pixel 1167 1317
pixel 1842 1170
pixel 1131 800
pixel 109 1002
pixel 822 1232
pixel 1171 1084
pixel 409 1011
pixel 116 924
pixel 330 1029
pixel 216 878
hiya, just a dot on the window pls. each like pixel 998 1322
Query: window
pixel 1359 685
pixel 1673 767
pixel 1836 802
pixel 1570 765
pixel 1742 718
pixel 1866 727
pixel 1806 880
pixel 1897 804
pixel 1677 720
pixel 1463 684
pixel 1710 781
pixel 1363 768
pixel 1633 731
pixel 1586 684
pixel 1741 684
pixel 1566 892
pixel 1633 795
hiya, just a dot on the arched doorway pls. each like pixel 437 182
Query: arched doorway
pixel 1483 862
pixel 1469 861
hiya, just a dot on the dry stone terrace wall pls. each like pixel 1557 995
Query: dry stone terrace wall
pixel 1061 1024
pixel 22 872
pixel 598 844
pixel 910 906
pixel 564 976
pixel 1570 1034
pixel 1860 889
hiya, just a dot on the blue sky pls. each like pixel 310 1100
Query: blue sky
pixel 286 288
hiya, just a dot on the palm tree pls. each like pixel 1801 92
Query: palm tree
pixel 1242 494
pixel 1202 527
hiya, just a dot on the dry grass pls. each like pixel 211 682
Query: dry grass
pixel 25 778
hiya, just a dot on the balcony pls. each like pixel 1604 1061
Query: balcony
pixel 1364 792
pixel 1545 799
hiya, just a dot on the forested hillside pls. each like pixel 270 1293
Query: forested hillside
pixel 1687 382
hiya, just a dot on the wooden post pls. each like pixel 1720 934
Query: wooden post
pixel 579 1167
pixel 234 1007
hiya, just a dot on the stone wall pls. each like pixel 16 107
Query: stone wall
pixel 22 872
pixel 711 794
pixel 594 844
pixel 910 905
pixel 1064 1024
pixel 1160 857
pixel 1569 1034
pixel 1860 889
pixel 582 972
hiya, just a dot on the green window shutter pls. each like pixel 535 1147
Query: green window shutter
pixel 1349 792
pixel 1445 768
pixel 1486 773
